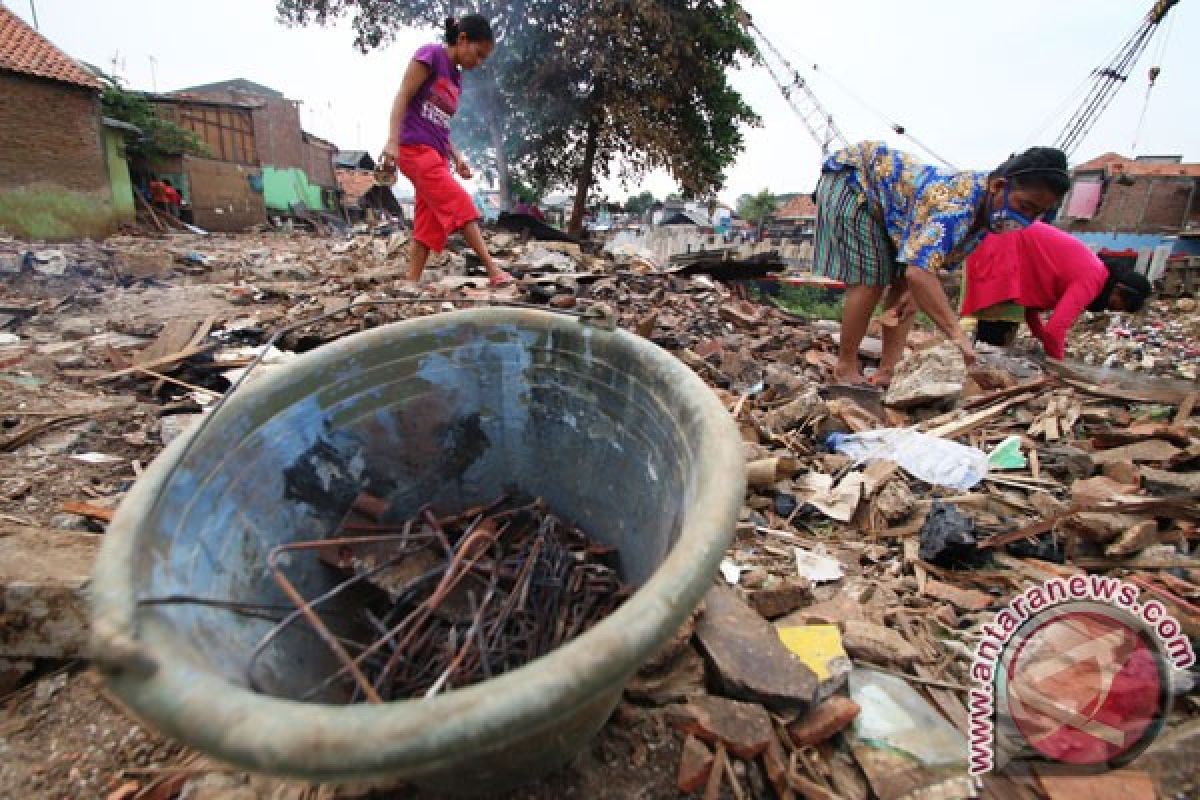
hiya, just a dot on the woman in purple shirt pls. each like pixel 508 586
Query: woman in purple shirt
pixel 419 143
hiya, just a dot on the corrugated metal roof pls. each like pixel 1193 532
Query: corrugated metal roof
pixel 24 50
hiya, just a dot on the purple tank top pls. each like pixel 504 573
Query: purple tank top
pixel 427 118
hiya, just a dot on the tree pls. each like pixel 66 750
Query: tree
pixel 577 88
pixel 757 208
pixel 494 114
pixel 646 88
pixel 640 203
pixel 160 137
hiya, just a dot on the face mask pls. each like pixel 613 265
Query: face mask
pixel 1006 219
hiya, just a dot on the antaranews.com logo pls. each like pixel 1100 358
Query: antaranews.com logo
pixel 1076 672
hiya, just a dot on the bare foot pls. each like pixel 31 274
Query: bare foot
pixel 848 377
pixel 881 378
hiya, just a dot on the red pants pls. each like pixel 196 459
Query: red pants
pixel 443 206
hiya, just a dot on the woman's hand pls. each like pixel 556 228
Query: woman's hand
pixel 388 156
pixel 463 168
pixel 964 346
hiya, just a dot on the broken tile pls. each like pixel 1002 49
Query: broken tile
pixel 695 764
pixel 1125 784
pixel 744 728
pixel 820 648
pixel 817 567
pixel 829 718
pixel 748 657
pixel 876 644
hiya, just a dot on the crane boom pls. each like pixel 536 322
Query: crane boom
pixel 800 97
pixel 1110 78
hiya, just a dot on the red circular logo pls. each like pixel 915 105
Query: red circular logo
pixel 1085 687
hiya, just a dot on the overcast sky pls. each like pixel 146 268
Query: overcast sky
pixel 972 80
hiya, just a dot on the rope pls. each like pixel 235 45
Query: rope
pixel 891 124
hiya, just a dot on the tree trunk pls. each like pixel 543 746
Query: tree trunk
pixel 503 176
pixel 496 137
pixel 575 227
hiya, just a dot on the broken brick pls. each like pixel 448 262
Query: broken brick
pixel 829 718
pixel 744 728
pixel 694 765
pixel 782 598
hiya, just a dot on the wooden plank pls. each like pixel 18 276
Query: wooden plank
pixel 1004 394
pixel 88 510
pixel 969 423
pixel 169 359
pixel 1159 396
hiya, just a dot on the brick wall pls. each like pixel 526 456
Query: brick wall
pixel 49 132
pixel 318 164
pixel 277 128
pixel 1147 206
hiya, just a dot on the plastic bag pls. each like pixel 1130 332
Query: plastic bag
pixel 929 458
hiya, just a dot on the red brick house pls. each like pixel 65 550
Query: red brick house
pixel 1144 195
pixel 54 178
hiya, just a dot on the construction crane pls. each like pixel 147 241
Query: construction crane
pixel 798 94
pixel 1108 80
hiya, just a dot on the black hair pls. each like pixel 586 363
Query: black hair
pixel 475 26
pixel 1133 286
pixel 1044 167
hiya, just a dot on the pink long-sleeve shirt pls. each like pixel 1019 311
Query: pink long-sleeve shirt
pixel 1040 268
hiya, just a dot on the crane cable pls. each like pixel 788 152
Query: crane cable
pixel 1109 79
pixel 1154 72
pixel 799 81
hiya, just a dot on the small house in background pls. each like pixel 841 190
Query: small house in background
pixel 1144 210
pixel 223 191
pixel 1130 203
pixel 297 167
pixel 794 221
pixel 353 159
pixel 360 193
pixel 62 171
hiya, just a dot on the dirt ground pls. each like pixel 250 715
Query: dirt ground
pixel 65 737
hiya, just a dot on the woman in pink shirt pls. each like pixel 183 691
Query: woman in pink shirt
pixel 1042 268
pixel 419 143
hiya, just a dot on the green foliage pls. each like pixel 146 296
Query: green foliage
pixel 757 207
pixel 160 137
pixel 810 302
pixel 577 89
pixel 640 203
pixel 525 193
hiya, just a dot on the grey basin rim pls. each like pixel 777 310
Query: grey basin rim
pixel 416 737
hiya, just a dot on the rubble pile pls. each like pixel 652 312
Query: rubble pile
pixel 1164 340
pixel 880 535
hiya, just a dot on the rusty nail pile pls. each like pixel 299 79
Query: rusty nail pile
pixel 467 597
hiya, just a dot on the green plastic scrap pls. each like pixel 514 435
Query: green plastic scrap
pixel 1007 455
